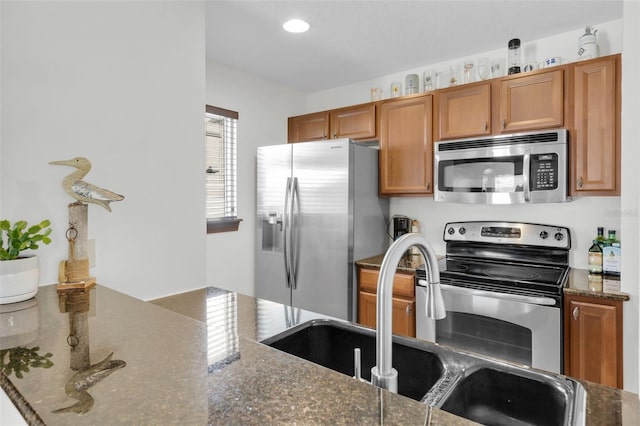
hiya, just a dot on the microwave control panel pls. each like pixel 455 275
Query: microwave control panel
pixel 544 171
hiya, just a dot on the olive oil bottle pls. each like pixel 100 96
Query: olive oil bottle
pixel 611 255
pixel 595 253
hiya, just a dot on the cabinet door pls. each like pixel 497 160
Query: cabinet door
pixel 532 102
pixel 357 122
pixel 404 317
pixel 403 313
pixel 596 137
pixel 367 309
pixel 406 148
pixel 593 340
pixel 463 112
pixel 309 127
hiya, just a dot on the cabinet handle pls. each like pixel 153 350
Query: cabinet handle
pixel 408 309
pixel 335 136
pixel 485 126
pixel 580 182
pixel 576 313
pixel 324 137
pixel 428 186
pixel 504 124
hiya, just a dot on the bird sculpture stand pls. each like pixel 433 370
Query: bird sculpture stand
pixel 74 272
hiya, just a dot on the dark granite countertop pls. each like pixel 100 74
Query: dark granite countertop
pixel 101 357
pixel 580 281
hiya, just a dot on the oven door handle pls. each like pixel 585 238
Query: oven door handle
pixel 547 301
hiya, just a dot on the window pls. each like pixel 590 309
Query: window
pixel 221 172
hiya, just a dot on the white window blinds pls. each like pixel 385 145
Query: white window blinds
pixel 221 172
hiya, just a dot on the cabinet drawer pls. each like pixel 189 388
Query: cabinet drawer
pixel 403 284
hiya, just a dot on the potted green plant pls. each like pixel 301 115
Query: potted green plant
pixel 19 272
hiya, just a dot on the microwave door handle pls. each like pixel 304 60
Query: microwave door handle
pixel 501 296
pixel 526 166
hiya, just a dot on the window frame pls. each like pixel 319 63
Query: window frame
pixel 225 224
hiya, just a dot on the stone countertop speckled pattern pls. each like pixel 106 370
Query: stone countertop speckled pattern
pixel 605 405
pixel 580 282
pixel 200 365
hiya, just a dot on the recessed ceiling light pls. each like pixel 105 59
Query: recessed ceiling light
pixel 296 26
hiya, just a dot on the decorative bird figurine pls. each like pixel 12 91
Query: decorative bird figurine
pixel 81 190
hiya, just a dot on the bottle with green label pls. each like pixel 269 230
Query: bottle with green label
pixel 611 255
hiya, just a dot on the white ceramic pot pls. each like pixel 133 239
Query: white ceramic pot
pixel 19 279
pixel 19 323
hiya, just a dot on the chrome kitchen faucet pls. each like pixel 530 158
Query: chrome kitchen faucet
pixel 383 374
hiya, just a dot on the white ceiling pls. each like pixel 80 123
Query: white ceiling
pixel 357 40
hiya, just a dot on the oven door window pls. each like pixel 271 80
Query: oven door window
pixel 486 336
pixel 493 175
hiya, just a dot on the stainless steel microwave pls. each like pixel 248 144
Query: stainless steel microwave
pixel 518 168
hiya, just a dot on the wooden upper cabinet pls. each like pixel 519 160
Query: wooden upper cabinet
pixel 593 340
pixel 309 127
pixel 406 146
pixel 596 127
pixel 463 111
pixel 532 102
pixel 357 122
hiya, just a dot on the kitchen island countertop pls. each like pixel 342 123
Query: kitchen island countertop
pixel 205 367
pixel 200 362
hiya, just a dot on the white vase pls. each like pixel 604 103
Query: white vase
pixel 19 279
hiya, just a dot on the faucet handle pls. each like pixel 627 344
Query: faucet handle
pixel 357 368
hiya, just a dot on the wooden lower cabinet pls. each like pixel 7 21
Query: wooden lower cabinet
pixel 403 305
pixel 593 339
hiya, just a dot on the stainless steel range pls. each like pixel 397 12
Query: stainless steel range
pixel 502 285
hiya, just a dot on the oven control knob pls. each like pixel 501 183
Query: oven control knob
pixel 462 230
pixel 544 235
pixel 451 231
pixel 559 236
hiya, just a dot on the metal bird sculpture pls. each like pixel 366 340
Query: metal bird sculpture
pixel 81 190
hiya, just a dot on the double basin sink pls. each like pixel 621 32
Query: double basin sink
pixel 471 386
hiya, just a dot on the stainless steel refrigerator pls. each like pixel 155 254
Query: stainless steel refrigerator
pixel 318 211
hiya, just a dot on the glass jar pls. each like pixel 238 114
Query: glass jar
pixel 514 56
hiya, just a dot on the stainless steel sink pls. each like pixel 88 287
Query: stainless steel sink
pixel 481 389
pixel 332 343
pixel 497 394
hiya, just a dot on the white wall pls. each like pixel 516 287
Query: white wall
pixel 123 84
pixel 263 108
pixel 563 45
pixel 630 206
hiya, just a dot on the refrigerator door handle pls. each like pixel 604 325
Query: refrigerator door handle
pixel 292 234
pixel 286 223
